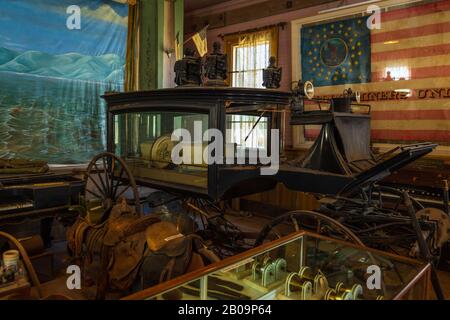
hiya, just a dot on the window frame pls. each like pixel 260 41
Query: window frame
pixel 233 40
pixel 246 70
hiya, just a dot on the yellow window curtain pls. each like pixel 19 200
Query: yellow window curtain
pixel 132 67
pixel 248 54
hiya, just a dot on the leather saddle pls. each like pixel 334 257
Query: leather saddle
pixel 168 255
pixel 125 241
pixel 135 248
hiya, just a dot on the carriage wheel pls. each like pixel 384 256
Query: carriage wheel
pixel 108 178
pixel 306 220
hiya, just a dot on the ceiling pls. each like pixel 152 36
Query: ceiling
pixel 190 5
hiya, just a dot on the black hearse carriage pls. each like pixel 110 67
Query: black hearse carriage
pixel 340 167
pixel 140 125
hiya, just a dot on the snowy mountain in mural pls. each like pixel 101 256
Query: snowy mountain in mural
pixel 108 67
pixel 7 55
pixel 52 77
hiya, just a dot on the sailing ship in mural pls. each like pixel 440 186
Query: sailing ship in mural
pixel 52 77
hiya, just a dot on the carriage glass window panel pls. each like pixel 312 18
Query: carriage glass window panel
pixel 249 134
pixel 144 141
pixel 248 131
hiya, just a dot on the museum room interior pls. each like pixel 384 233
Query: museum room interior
pixel 224 150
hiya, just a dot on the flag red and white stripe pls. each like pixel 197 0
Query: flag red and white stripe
pixel 413 44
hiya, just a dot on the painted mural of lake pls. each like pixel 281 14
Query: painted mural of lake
pixel 53 119
pixel 53 73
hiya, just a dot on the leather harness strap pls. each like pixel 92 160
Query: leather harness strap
pixel 166 273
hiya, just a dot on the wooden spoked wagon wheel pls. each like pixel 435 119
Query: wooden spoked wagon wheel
pixel 306 220
pixel 108 178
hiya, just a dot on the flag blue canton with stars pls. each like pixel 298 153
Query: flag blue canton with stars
pixel 336 53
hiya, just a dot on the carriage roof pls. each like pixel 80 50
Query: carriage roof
pixel 191 96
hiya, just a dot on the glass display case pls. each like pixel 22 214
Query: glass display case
pixel 302 266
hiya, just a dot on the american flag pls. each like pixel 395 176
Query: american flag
pixel 410 56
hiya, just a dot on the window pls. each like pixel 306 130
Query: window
pixel 248 54
pixel 248 64
pixel 248 131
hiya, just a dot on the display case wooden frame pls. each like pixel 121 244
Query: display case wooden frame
pixel 416 288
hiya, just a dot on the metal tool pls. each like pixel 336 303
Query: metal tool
pixel 319 280
pixel 332 294
pixel 296 284
pixel 356 290
pixel 263 273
